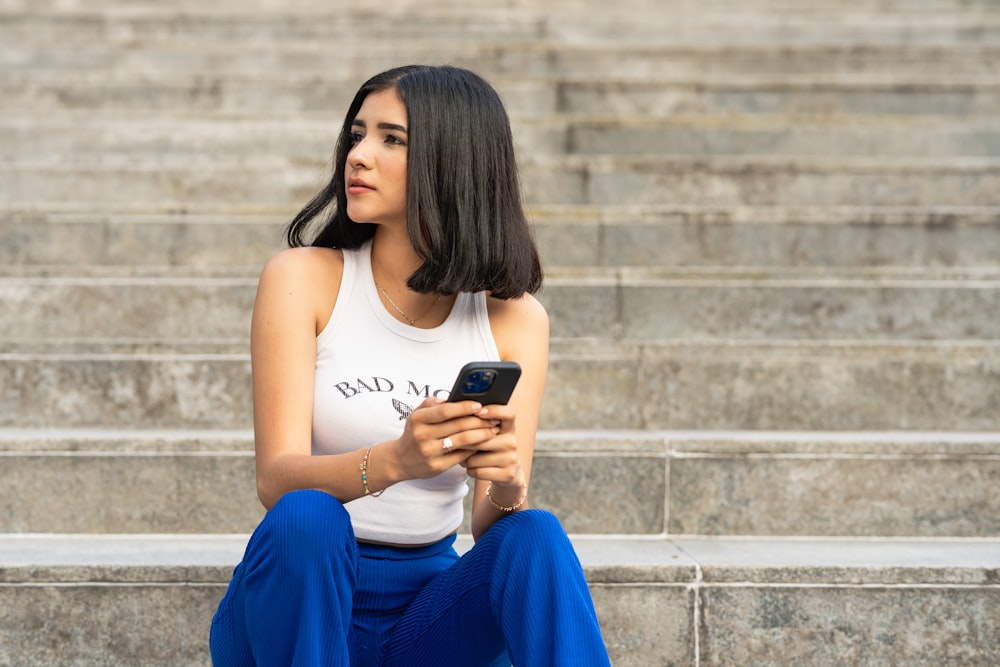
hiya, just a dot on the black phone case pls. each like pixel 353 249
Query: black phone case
pixel 498 393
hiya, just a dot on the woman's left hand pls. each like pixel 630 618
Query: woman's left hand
pixel 496 460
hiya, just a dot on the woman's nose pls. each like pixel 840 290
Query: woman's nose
pixel 358 155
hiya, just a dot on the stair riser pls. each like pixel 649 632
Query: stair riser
pixel 780 387
pixel 657 387
pixel 664 100
pixel 660 183
pixel 756 312
pixel 924 238
pixel 167 624
pixel 103 493
pixel 865 27
pixel 122 310
pixel 850 141
pixel 654 182
pixel 899 495
pixel 835 495
pixel 234 10
pixel 137 51
pixel 193 311
pixel 149 624
pixel 308 141
pixel 254 98
pixel 221 243
pixel 849 626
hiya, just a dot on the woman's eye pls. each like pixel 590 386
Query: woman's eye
pixel 356 138
pixel 394 140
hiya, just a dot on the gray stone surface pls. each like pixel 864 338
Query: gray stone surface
pixel 794 385
pixel 748 483
pixel 846 625
pixel 139 242
pixel 85 599
pixel 770 236
pixel 888 495
pixel 799 385
pixel 777 215
pixel 643 304
pixel 175 182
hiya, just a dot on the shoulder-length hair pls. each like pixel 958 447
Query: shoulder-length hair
pixel 464 212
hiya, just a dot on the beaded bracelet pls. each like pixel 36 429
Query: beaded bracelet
pixel 508 508
pixel 364 474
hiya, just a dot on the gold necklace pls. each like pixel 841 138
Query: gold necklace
pixel 413 322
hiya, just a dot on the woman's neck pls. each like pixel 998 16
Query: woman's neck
pixel 393 261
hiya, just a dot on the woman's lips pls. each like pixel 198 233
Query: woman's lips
pixel 356 186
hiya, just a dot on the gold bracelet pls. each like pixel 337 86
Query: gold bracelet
pixel 502 508
pixel 364 474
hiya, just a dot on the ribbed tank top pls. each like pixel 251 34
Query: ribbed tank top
pixel 371 371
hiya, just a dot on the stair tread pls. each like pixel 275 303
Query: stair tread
pixel 609 558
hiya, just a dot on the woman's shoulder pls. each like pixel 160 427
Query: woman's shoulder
pixel 525 308
pixel 305 259
pixel 519 321
pixel 305 265
pixel 306 277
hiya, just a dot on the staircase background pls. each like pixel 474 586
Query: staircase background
pixel 771 231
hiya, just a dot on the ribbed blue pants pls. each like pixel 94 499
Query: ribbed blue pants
pixel 307 593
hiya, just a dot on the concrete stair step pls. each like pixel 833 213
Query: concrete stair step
pixel 787 385
pixel 596 25
pixel 797 181
pixel 126 49
pixel 581 180
pixel 767 236
pixel 268 8
pixel 867 94
pixel 44 238
pixel 148 600
pixel 629 303
pixel 770 385
pixel 922 484
pixel 75 137
pixel 761 304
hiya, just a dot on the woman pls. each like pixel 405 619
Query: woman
pixel 422 261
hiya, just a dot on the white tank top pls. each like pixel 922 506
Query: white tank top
pixel 371 371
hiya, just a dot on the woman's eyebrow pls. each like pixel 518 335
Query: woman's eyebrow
pixel 381 126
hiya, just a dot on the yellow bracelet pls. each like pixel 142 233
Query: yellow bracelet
pixel 502 508
pixel 364 474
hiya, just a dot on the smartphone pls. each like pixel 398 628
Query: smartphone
pixel 488 382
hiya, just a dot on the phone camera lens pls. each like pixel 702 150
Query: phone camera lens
pixel 478 382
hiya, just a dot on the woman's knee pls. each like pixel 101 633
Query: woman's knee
pixel 534 527
pixel 306 523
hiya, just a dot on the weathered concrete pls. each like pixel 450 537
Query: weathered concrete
pixel 662 602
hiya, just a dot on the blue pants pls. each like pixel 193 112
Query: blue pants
pixel 307 593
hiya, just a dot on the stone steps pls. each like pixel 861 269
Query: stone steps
pixel 702 483
pixel 77 137
pixel 771 234
pixel 114 599
pixel 135 238
pixel 635 304
pixel 204 93
pixel 169 182
pixel 688 384
pixel 598 25
pixel 117 48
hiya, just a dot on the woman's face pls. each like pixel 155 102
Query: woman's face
pixel 375 171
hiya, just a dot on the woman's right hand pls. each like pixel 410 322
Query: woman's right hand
pixel 420 451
